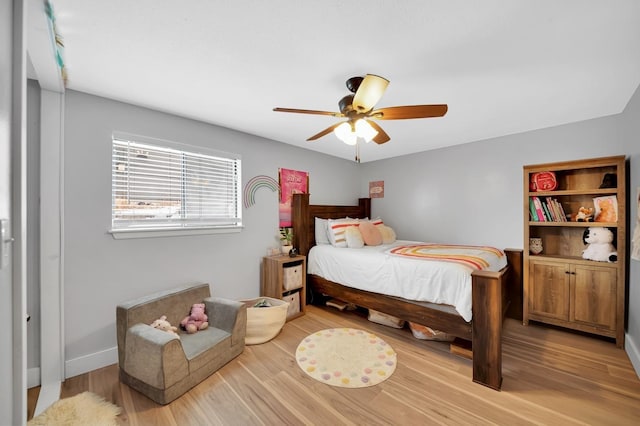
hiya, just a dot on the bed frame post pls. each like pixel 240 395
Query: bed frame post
pixel 300 222
pixel 365 205
pixel 486 329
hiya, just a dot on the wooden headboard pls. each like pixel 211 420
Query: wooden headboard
pixel 303 218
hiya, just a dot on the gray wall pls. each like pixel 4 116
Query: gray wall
pixel 100 272
pixel 33 221
pixel 473 193
pixel 630 128
pixel 465 194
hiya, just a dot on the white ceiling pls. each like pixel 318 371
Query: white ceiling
pixel 502 66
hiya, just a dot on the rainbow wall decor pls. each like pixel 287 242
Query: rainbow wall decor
pixel 255 183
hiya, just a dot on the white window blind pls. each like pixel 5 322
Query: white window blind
pixel 159 187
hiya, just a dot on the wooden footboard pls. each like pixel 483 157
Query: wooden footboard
pixel 486 326
pixel 492 294
pixel 484 331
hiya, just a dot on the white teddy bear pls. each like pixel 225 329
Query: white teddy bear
pixel 600 245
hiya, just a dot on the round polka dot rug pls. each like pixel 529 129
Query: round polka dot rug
pixel 346 357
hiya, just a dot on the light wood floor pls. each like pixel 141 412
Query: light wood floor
pixel 550 377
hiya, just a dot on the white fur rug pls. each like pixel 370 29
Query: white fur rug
pixel 83 409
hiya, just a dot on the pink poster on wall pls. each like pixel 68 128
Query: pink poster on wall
pixel 291 182
pixel 376 189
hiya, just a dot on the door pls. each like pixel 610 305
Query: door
pixel 594 296
pixel 549 289
pixel 13 385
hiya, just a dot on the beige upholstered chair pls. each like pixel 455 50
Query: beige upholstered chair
pixel 164 366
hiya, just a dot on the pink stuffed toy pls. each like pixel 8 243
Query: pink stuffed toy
pixel 197 320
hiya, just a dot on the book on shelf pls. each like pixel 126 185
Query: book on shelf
pixel 552 212
pixel 556 210
pixel 546 211
pixel 563 216
pixel 532 211
pixel 539 211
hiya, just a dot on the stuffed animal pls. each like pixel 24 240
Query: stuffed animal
pixel 584 214
pixel 164 325
pixel 600 245
pixel 197 319
pixel 606 210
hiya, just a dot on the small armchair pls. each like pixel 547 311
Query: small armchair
pixel 163 366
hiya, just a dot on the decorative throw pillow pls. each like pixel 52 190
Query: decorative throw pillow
pixel 322 236
pixel 388 234
pixel 336 230
pixel 377 221
pixel 354 238
pixel 370 234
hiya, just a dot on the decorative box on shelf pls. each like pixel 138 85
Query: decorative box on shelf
pixel 284 277
pixel 292 276
pixel 294 303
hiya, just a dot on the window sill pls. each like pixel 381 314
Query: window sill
pixel 125 234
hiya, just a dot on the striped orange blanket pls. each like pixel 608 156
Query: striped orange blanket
pixel 472 257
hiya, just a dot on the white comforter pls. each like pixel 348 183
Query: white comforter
pixel 372 269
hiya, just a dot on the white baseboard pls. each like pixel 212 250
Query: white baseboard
pixel 94 361
pixel 634 355
pixel 33 377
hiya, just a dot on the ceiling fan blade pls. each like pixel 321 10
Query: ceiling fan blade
pixel 309 111
pixel 409 111
pixel 324 132
pixel 369 93
pixel 382 136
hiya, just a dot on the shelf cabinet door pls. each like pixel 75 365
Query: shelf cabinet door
pixel 594 296
pixel 549 290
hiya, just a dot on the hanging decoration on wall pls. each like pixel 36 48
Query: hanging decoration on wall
pixel 59 43
pixel 376 189
pixel 291 182
pixel 255 183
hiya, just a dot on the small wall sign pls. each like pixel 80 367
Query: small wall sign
pixel 376 189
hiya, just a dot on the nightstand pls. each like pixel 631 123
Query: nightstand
pixel 285 277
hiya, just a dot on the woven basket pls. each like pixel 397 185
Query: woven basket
pixel 263 324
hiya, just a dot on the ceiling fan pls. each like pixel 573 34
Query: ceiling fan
pixel 357 108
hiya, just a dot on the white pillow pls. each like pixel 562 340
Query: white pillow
pixel 322 236
pixel 353 237
pixel 336 231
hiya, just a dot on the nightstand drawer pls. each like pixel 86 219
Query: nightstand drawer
pixel 292 277
pixel 294 303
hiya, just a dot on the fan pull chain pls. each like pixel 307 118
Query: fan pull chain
pixel 357 152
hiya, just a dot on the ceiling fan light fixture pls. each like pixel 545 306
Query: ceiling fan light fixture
pixel 370 91
pixel 361 117
pixel 346 133
pixel 365 131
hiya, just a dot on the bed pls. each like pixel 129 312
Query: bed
pixel 494 293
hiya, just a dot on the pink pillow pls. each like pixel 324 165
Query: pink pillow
pixel 370 234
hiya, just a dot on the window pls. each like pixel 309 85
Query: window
pixel 167 188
